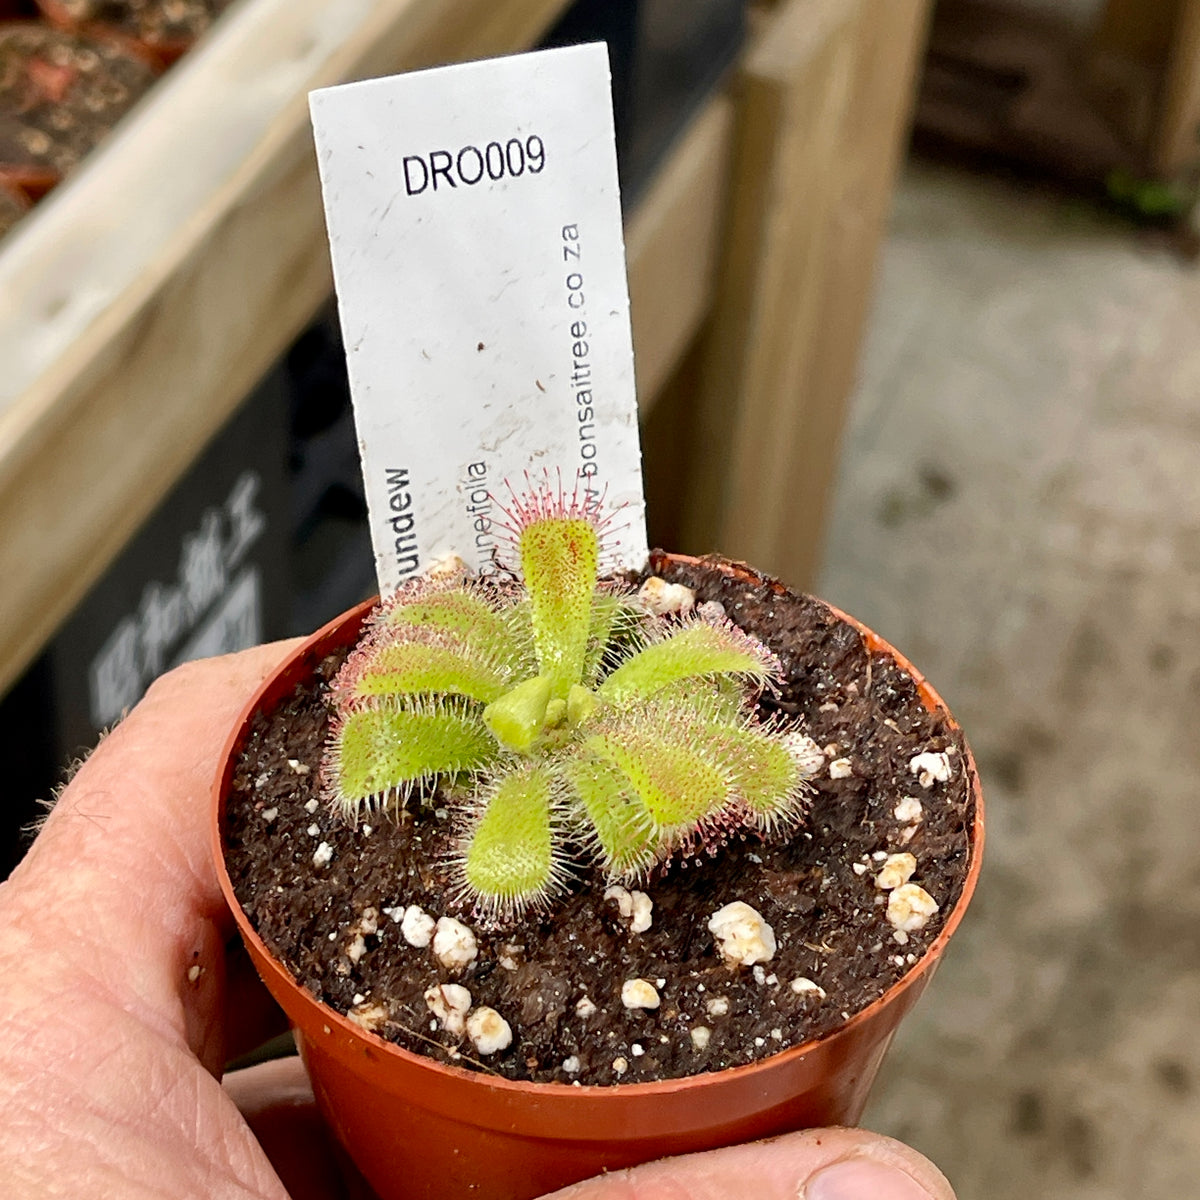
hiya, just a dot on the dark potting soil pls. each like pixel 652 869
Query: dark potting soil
pixel 558 980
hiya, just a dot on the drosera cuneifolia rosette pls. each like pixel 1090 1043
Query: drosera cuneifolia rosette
pixel 575 726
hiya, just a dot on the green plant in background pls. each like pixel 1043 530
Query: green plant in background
pixel 572 724
pixel 1147 198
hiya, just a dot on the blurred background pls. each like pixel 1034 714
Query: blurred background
pixel 916 312
pixel 1017 507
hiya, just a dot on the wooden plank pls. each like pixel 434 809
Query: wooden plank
pixel 1135 30
pixel 759 13
pixel 1125 66
pixel 890 43
pixel 823 115
pixel 672 241
pixel 792 93
pixel 1176 145
pixel 147 297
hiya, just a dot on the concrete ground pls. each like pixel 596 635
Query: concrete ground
pixel 1019 511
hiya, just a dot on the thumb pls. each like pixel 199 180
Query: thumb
pixel 816 1164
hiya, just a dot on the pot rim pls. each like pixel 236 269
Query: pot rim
pixel 602 1093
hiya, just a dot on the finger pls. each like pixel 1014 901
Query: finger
pixel 134 826
pixel 817 1164
pixel 276 1100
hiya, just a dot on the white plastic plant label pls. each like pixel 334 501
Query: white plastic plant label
pixel 475 227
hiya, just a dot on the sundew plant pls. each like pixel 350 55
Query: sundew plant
pixel 567 725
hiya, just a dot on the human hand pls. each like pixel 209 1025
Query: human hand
pixel 119 1006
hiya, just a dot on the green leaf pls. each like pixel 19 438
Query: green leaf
pixel 560 556
pixel 581 703
pixel 618 824
pixel 380 753
pixel 471 616
pixel 719 698
pixel 510 856
pixel 517 718
pixel 615 622
pixel 675 785
pixel 695 650
pixel 429 663
pixel 764 774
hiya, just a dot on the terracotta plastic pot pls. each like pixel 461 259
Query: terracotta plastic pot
pixel 417 1128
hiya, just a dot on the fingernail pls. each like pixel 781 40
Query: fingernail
pixel 862 1179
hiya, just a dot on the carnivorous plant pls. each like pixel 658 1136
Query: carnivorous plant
pixel 566 723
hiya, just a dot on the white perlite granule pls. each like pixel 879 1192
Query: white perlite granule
pixel 718 1006
pixel 897 869
pixel 930 767
pixel 908 810
pixel 743 937
pixel 640 918
pixel 371 1016
pixel 447 568
pixel 454 944
pixel 450 1003
pixel 840 768
pixel 417 926
pixel 659 597
pixel 635 907
pixel 639 993
pixel 323 855
pixel 488 1030
pixel 807 755
pixel 910 907
pixel 701 1035
pixel 802 986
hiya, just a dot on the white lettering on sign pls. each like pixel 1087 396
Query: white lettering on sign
pixel 145 643
pixel 475 230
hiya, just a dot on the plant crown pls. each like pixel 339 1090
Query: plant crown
pixel 565 723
